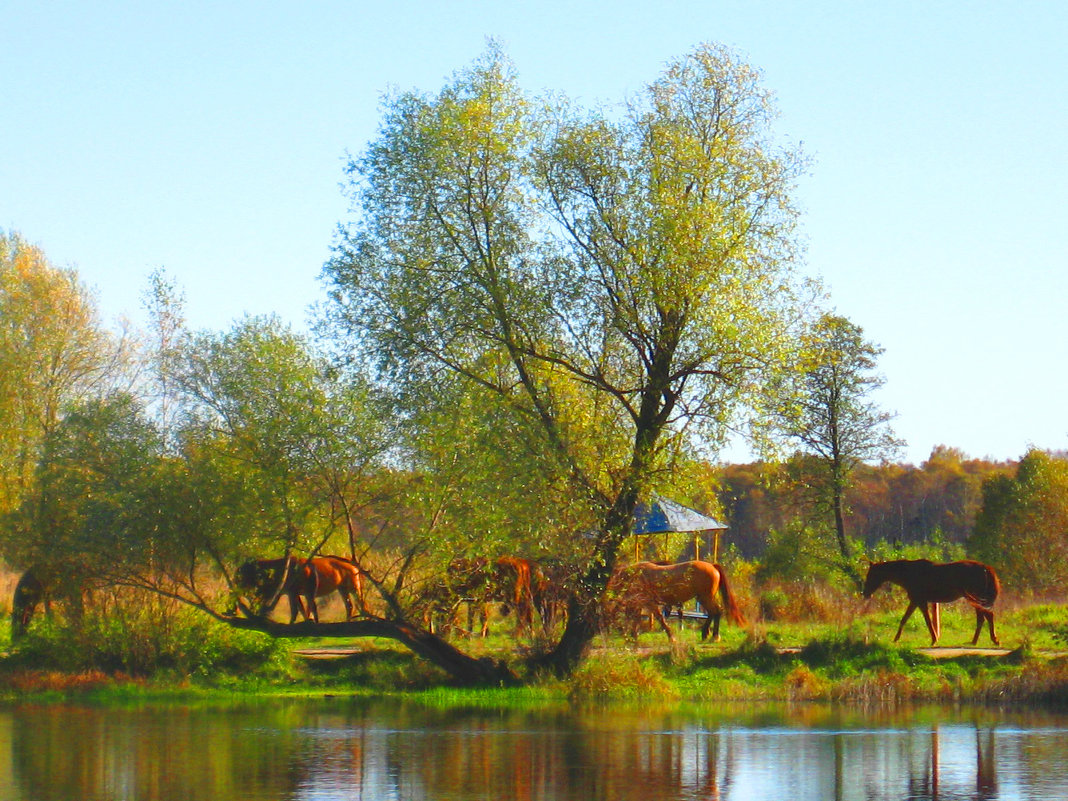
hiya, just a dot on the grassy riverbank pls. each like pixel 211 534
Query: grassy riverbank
pixel 785 662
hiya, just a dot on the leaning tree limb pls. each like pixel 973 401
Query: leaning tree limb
pixel 462 667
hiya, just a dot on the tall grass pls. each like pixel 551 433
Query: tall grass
pixel 141 636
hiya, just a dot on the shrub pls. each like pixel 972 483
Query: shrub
pixel 626 678
pixel 806 601
pixel 125 633
pixel 802 684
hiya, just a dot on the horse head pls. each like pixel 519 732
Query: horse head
pixel 875 578
pixel 251 575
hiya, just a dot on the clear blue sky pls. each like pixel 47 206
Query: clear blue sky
pixel 208 138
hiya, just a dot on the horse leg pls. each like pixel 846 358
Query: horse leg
pixel 480 610
pixel 295 605
pixel 981 616
pixel 930 624
pixel 936 616
pixel 358 585
pixel 713 618
pixel 663 623
pixel 350 609
pixel 908 613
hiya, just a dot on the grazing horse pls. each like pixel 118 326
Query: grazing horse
pixel 511 581
pixel 466 581
pixel 558 579
pixel 521 585
pixel 926 582
pixel 302 581
pixel 43 584
pixel 651 587
pixel 29 593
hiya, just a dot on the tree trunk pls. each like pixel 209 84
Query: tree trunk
pixel 584 608
pixel 848 567
pixel 583 623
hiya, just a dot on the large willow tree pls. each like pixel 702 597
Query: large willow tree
pixel 616 287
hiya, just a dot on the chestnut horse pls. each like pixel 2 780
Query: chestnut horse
pixel 521 585
pixel 651 587
pixel 511 581
pixel 302 581
pixel 926 582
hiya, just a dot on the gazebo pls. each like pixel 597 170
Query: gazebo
pixel 662 515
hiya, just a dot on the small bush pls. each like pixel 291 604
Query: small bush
pixel 384 669
pixel 806 601
pixel 1044 685
pixel 802 684
pixel 129 636
pixel 616 679
pixel 882 687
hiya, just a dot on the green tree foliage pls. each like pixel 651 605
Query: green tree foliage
pixel 832 416
pixel 271 456
pixel 1022 528
pixel 53 353
pixel 612 288
pixel 266 419
pixel 87 496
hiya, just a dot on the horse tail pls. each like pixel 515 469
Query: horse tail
pixel 985 595
pixel 729 601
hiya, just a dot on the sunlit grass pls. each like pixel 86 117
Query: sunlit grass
pixel 854 662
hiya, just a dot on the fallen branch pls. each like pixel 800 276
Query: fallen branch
pixel 465 669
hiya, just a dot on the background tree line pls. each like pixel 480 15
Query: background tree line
pixel 537 316
pixel 898 504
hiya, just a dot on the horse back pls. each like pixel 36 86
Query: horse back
pixel 678 583
pixel 338 573
pixel 931 582
pixel 328 573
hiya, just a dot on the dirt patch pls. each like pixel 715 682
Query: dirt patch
pixel 947 652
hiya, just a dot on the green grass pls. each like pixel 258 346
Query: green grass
pixel 853 663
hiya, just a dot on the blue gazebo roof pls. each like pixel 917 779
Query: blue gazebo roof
pixel 662 514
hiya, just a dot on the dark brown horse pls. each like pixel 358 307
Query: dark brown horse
pixel 510 582
pixel 42 585
pixel 29 594
pixel 302 581
pixel 652 587
pixel 928 584
pixel 465 582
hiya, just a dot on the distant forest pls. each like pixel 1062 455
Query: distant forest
pixel 895 504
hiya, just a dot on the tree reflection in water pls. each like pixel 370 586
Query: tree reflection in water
pixel 328 750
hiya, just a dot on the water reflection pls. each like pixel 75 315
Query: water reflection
pixel 326 750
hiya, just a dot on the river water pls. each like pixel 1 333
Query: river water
pixel 330 749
